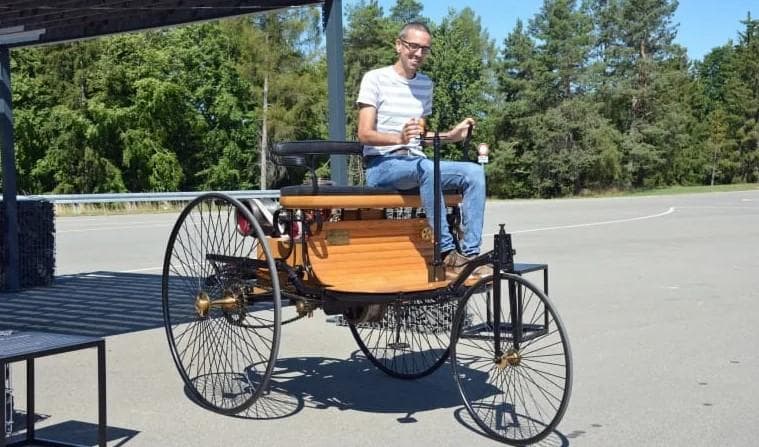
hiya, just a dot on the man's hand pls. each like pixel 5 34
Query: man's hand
pixel 411 130
pixel 367 129
pixel 459 131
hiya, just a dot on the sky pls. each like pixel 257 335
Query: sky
pixel 703 24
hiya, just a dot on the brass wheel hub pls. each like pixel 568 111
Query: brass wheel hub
pixel 203 304
pixel 511 358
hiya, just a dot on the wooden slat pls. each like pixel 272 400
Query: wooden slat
pixel 382 256
pixel 375 256
pixel 360 201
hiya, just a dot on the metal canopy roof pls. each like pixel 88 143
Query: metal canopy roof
pixel 35 22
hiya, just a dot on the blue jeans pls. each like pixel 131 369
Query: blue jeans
pixel 408 171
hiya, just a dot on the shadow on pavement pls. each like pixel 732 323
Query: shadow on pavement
pixel 354 384
pixel 72 432
pixel 349 384
pixel 554 439
pixel 110 303
pixel 97 304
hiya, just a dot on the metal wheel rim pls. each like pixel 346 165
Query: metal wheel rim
pixel 220 384
pixel 536 428
pixel 421 349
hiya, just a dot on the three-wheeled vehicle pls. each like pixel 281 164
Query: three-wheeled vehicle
pixel 368 256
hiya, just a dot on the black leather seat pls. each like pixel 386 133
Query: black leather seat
pixel 305 153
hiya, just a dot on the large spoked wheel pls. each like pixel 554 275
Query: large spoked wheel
pixel 411 338
pixel 518 389
pixel 221 303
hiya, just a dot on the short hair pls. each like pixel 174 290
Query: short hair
pixel 419 26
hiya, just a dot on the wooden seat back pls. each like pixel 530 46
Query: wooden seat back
pixel 368 256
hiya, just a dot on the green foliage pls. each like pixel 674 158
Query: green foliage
pixel 458 66
pixel 585 96
pixel 406 11
pixel 507 175
pixel 728 79
pixel 565 42
pixel 166 110
pixel 367 44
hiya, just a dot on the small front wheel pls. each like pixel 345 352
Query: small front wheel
pixel 410 339
pixel 517 389
pixel 221 303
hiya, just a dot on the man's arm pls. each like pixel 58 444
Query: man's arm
pixel 367 129
pixel 456 134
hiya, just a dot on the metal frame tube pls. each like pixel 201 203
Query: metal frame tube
pixel 437 261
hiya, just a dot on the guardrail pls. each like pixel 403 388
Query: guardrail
pixel 70 199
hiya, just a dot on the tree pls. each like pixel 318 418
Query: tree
pixel 71 164
pixel 405 11
pixel 589 95
pixel 747 62
pixel 368 43
pixel 458 65
pixel 647 92
pixel 549 117
pixel 565 36
pixel 280 64
pixel 516 87
pixel 729 86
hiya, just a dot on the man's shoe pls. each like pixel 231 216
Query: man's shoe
pixel 454 263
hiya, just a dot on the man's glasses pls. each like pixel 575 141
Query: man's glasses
pixel 414 47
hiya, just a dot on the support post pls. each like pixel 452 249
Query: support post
pixel 102 423
pixel 3 403
pixel 30 399
pixel 437 271
pixel 10 233
pixel 336 89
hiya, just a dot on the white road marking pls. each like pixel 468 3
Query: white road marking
pixel 106 228
pixel 147 269
pixel 559 227
pixel 723 207
pixel 592 224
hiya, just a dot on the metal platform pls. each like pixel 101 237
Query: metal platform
pixel 16 346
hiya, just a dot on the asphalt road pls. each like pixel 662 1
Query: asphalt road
pixel 657 294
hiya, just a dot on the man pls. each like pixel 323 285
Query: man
pixel 391 102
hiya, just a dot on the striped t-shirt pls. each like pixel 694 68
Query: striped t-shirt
pixel 397 100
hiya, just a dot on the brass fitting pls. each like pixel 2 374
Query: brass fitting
pixel 510 358
pixel 203 303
